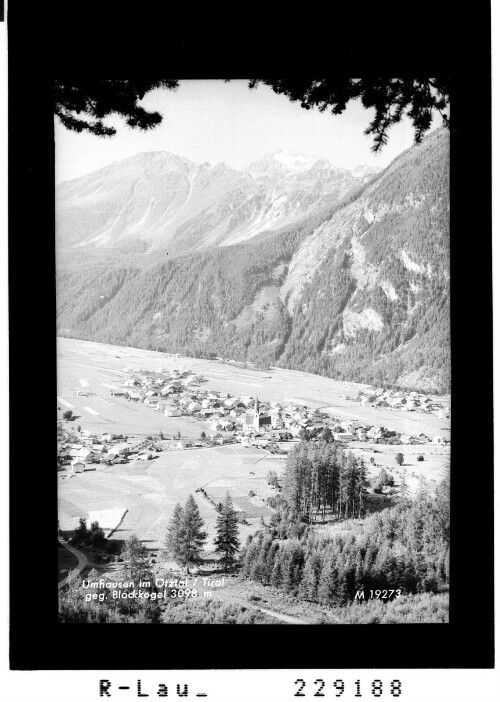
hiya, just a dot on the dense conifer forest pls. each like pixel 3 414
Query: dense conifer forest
pixel 405 547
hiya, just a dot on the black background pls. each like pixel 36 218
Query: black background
pixel 44 43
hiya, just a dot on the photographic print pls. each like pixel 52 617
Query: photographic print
pixel 253 350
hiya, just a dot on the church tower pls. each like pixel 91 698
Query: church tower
pixel 256 413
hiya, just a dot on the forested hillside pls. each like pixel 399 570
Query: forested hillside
pixel 407 544
pixel 357 290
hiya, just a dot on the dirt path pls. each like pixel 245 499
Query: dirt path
pixel 83 562
pixel 227 597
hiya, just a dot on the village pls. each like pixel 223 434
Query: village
pixel 231 419
pixel 401 400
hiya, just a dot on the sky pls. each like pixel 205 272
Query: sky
pixel 212 121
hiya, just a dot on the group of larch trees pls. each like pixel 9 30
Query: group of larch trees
pixel 186 537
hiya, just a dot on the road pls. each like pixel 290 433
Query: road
pixel 83 562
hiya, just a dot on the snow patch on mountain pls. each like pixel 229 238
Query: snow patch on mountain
pixel 297 162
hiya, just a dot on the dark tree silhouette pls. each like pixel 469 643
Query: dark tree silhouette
pixel 192 536
pixel 226 541
pixel 173 537
pixel 392 98
pixel 93 100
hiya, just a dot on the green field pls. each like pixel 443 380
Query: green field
pixel 150 490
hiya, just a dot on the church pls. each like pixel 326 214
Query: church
pixel 254 420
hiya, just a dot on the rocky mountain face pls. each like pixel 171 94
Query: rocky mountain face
pixel 352 282
pixel 158 201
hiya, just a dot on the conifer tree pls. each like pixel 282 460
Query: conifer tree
pixel 250 556
pixel 328 580
pixel 310 577
pixel 192 536
pixel 227 542
pixel 173 536
pixel 135 556
pixel 277 573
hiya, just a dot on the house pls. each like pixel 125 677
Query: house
pixel 121 449
pixel 439 440
pixel 172 412
pixel 277 420
pixel 151 401
pixel 83 454
pixel 343 436
pixel 109 458
pixel 207 412
pixel 77 466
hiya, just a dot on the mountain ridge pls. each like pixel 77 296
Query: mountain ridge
pixel 157 200
pixel 357 288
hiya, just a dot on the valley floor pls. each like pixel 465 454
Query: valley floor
pixel 141 495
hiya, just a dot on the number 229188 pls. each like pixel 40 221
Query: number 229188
pixel 320 688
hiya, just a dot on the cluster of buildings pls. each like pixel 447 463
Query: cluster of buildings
pixel 82 451
pixel 231 419
pixel 177 393
pixel 401 400
pixel 353 430
pixel 247 420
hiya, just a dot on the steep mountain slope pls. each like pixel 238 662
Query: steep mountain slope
pixel 370 286
pixel 358 289
pixel 160 201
